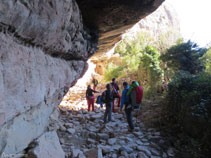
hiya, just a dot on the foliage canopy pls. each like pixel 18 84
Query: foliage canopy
pixel 184 56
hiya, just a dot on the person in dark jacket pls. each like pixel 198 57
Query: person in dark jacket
pixel 90 97
pixel 126 105
pixel 115 90
pixel 108 101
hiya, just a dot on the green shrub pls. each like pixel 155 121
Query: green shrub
pixel 189 90
pixel 189 105
pixel 150 71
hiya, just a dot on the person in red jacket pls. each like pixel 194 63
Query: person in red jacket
pixel 90 97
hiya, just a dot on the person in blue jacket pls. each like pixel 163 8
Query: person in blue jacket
pixel 125 102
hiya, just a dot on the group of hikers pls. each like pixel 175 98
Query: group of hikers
pixel 129 100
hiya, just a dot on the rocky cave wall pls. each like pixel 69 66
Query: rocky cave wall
pixel 43 51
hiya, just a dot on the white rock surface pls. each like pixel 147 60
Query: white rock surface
pixel 48 146
pixel 32 84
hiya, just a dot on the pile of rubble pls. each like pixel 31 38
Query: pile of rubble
pixel 83 134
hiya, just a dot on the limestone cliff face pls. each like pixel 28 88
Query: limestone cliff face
pixel 44 46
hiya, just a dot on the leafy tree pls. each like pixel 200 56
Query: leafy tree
pixel 149 71
pixel 184 56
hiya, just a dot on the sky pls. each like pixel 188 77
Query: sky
pixel 195 19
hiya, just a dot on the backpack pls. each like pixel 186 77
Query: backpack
pixel 139 94
pixel 99 98
pixel 106 97
pixel 115 86
pixel 103 97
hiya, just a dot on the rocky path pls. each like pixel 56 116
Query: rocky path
pixel 83 134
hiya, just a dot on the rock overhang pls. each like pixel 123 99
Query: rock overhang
pixel 109 19
pixel 73 29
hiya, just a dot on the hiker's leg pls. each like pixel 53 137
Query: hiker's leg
pixel 128 113
pixel 92 103
pixel 105 114
pixel 94 87
pixel 88 102
pixel 119 99
pixel 109 111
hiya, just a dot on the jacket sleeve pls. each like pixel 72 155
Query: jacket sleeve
pixel 94 91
